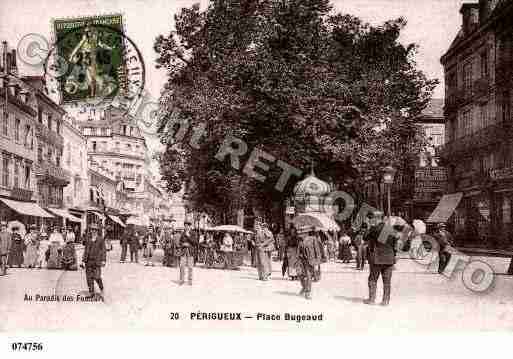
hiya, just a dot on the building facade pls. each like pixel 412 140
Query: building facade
pixel 18 144
pixel 32 145
pixel 416 193
pixel 478 85
pixel 115 141
pixel 76 193
pixel 51 177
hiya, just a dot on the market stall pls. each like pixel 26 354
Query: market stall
pixel 213 252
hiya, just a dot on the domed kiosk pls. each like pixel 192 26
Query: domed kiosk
pixel 311 204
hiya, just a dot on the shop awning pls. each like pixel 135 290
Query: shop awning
pixel 64 214
pixel 26 208
pixel 97 214
pixel 117 220
pixel 445 208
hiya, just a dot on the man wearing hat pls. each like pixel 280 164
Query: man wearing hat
pixel 94 258
pixel 70 235
pixel 5 246
pixel 264 243
pixel 445 241
pixel 134 243
pixel 310 255
pixel 382 256
pixel 186 253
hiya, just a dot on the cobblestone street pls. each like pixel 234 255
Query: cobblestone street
pixel 139 297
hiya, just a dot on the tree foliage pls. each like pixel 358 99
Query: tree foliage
pixel 291 78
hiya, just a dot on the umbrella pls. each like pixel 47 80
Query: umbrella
pixel 420 226
pixel 316 220
pixel 21 227
pixel 229 228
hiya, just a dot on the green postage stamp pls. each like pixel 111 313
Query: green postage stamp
pixel 91 57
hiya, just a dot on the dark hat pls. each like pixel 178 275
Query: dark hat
pixel 187 222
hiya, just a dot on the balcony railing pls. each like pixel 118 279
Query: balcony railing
pixel 484 137
pixel 52 172
pixel 44 133
pixel 454 100
pixel 50 202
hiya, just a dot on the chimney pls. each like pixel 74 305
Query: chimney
pixel 14 67
pixel 7 65
pixel 3 60
pixel 470 15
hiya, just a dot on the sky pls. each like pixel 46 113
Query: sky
pixel 432 24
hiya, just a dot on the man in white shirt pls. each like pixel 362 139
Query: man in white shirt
pixel 56 236
pixel 228 250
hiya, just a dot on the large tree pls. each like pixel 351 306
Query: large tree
pixel 288 77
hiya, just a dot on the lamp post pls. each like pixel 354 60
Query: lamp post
pixel 388 179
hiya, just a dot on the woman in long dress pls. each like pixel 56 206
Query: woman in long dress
pixel 292 254
pixel 16 252
pixel 32 251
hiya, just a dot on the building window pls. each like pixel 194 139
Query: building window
pixel 506 210
pixel 6 123
pixel 17 130
pixel 505 107
pixel 467 79
pixel 16 180
pixel 483 116
pixel 484 64
pixel 27 176
pixel 40 115
pixel 49 122
pixel 26 136
pixel 39 154
pixel 5 171
pixel 124 130
pixel 58 127
pixel 94 146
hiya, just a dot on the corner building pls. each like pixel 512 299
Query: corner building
pixel 478 69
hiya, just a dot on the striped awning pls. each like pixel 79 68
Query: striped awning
pixel 117 220
pixel 64 214
pixel 26 208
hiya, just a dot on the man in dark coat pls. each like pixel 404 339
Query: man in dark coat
pixel 186 253
pixel 445 241
pixel 123 242
pixel 310 255
pixel 134 244
pixel 382 244
pixel 94 258
pixel 5 246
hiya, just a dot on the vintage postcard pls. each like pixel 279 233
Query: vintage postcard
pixel 319 166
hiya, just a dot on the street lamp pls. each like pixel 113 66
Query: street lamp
pixel 388 179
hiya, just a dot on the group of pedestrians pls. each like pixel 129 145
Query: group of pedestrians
pixel 34 250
